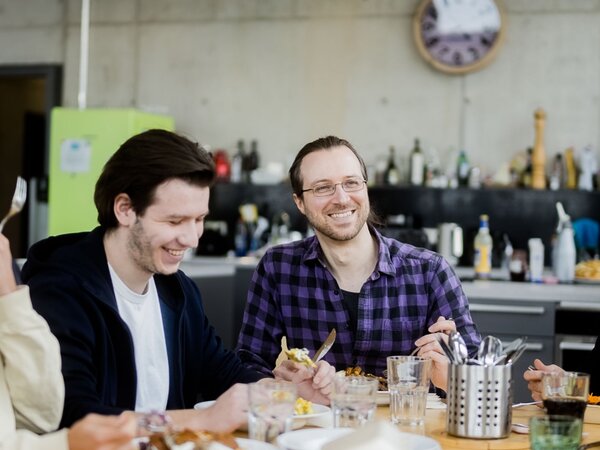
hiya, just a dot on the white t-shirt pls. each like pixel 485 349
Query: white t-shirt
pixel 141 313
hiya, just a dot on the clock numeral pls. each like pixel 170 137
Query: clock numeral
pixel 432 42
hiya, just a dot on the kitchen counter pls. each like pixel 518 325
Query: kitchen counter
pixel 576 295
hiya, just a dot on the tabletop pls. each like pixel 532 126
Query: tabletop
pixel 435 427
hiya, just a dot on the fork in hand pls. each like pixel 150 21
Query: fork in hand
pixel 17 202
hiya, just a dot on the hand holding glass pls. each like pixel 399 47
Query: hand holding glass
pixel 271 412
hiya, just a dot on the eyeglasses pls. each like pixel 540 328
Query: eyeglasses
pixel 325 190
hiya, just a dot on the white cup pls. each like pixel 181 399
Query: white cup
pixel 408 383
pixel 354 401
pixel 271 409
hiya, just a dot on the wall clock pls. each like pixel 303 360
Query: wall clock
pixel 459 36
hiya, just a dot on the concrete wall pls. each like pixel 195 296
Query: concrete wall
pixel 287 71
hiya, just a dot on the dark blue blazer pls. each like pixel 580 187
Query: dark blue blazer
pixel 71 288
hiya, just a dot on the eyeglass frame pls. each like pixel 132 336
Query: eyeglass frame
pixel 335 185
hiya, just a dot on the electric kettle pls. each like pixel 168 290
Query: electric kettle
pixel 450 242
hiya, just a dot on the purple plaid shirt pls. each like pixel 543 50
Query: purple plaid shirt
pixel 293 294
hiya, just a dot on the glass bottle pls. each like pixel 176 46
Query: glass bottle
pixel 462 169
pixel 483 249
pixel 528 171
pixel 557 176
pixel 237 163
pixel 417 165
pixel 392 175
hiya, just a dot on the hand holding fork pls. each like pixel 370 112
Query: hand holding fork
pixel 17 202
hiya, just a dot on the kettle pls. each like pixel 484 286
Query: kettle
pixel 450 242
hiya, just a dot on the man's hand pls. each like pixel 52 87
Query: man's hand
pixel 314 384
pixel 7 277
pixel 429 347
pixel 534 378
pixel 229 412
pixel 96 432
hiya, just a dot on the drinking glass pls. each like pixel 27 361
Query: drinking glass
pixel 408 382
pixel 271 409
pixel 354 401
pixel 565 393
pixel 555 432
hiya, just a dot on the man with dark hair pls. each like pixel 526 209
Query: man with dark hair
pixel 131 326
pixel 383 297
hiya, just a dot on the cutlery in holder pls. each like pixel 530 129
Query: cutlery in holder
pixel 479 401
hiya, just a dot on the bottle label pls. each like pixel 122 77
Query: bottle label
pixel 483 261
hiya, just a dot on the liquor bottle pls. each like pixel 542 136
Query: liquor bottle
pixel 557 176
pixel 538 157
pixel 391 175
pixel 417 165
pixel 237 163
pixel 483 249
pixel 462 169
pixel 527 171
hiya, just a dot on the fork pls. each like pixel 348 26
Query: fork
pixel 17 202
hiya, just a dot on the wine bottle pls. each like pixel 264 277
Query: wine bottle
pixel 462 169
pixel 417 165
pixel 392 175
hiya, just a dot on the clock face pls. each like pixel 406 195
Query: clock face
pixel 458 36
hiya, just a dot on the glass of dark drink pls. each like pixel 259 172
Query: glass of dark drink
pixel 565 393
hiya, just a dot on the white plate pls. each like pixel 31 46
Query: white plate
pixel 310 439
pixel 315 439
pixel 321 417
pixel 383 397
pixel 251 444
pixel 319 410
pixel 204 405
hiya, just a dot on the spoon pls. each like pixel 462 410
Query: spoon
pixel 458 346
pixel 490 350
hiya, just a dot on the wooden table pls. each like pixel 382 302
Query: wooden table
pixel 435 427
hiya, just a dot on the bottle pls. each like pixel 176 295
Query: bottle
pixel 538 156
pixel 483 249
pixel 417 165
pixel 564 254
pixel 241 238
pixel 557 176
pixel 536 260
pixel 237 163
pixel 391 174
pixel 526 175
pixel 462 169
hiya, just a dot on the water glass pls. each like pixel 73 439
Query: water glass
pixel 271 409
pixel 565 393
pixel 354 400
pixel 555 432
pixel 408 382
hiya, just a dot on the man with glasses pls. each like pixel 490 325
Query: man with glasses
pixel 382 296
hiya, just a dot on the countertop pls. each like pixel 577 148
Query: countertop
pixel 584 296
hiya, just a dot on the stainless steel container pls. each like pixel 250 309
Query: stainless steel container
pixel 479 401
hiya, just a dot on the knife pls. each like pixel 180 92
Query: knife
pixel 325 347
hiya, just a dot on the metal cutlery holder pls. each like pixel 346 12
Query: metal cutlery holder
pixel 479 401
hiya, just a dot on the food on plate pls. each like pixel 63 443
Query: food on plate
pixel 358 371
pixel 303 407
pixel 188 440
pixel 295 354
pixel 589 270
pixel 593 399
